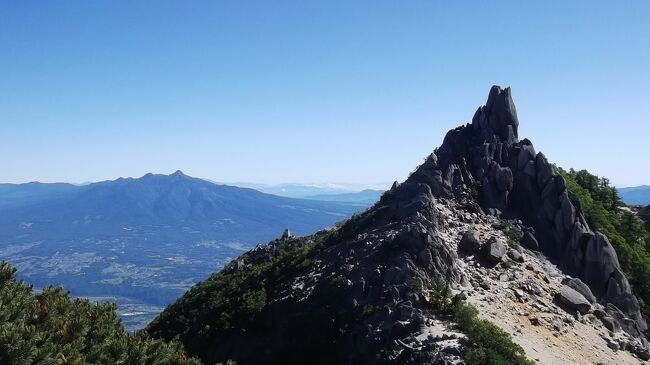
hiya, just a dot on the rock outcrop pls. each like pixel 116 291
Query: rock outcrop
pixel 580 287
pixel 485 158
pixel 470 242
pixel 495 250
pixel 529 241
pixel 574 299
pixel 360 293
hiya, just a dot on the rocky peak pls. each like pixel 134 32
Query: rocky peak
pixel 499 116
pixel 484 161
pixel 360 293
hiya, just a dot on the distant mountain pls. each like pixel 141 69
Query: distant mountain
pixel 298 190
pixel 22 194
pixel 638 195
pixel 143 240
pixel 367 196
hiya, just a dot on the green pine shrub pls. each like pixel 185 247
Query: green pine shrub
pixel 606 213
pixel 51 328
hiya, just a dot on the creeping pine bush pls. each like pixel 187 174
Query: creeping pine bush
pixel 51 328
pixel 489 344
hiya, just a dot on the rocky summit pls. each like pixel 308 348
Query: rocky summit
pixel 485 223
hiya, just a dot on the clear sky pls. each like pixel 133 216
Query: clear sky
pixel 313 91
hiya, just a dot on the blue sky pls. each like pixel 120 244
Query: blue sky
pixel 310 91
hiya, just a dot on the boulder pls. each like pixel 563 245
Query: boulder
pixel 580 287
pixel 495 249
pixel 529 241
pixel 573 299
pixel 611 324
pixel 516 256
pixel 470 242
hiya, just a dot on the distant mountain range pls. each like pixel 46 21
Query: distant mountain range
pixel 144 240
pixel 638 195
pixel 323 191
pixel 367 196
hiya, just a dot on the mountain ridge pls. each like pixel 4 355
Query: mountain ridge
pixel 144 241
pixel 635 195
pixel 374 290
pixel 366 196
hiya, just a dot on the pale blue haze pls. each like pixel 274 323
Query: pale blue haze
pixel 306 91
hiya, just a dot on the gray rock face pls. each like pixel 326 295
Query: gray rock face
pixel 469 243
pixel 529 241
pixel 574 300
pixel 544 170
pixel 495 249
pixel 600 263
pixel 526 155
pixel 510 177
pixel 627 324
pixel 504 179
pixel 568 211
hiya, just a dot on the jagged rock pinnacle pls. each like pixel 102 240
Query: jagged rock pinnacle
pixel 286 234
pixel 500 113
pixel 485 160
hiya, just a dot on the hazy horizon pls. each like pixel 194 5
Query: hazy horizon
pixel 337 185
pixel 312 92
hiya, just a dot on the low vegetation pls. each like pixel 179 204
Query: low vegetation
pixel 51 328
pixel 513 236
pixel 605 212
pixel 231 298
pixel 488 344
